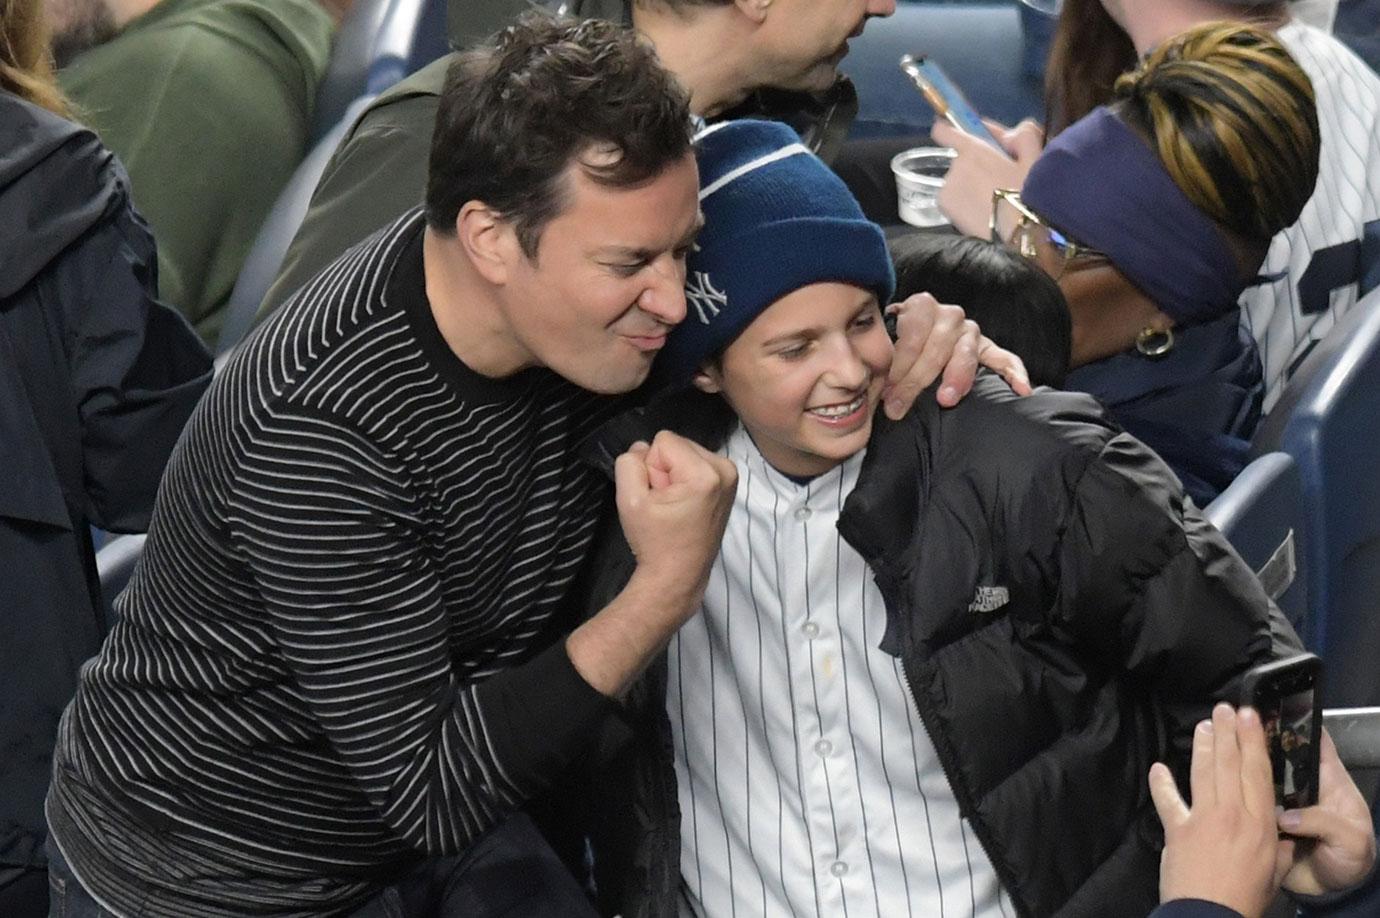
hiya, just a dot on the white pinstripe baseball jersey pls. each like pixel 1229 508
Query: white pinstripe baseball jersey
pixel 1334 248
pixel 808 785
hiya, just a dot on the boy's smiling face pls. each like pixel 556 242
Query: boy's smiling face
pixel 806 376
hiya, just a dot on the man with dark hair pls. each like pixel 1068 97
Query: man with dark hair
pixel 343 669
pixel 777 58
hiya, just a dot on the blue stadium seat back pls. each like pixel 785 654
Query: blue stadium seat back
pixel 115 565
pixel 265 257
pixel 1327 420
pixel 1262 516
pixel 378 44
pixel 982 46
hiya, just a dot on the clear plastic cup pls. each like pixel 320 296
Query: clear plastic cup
pixel 920 173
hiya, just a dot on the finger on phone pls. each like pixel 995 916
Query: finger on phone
pixel 1226 758
pixel 1257 776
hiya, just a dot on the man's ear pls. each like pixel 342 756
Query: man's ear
pixel 756 10
pixel 707 380
pixel 489 240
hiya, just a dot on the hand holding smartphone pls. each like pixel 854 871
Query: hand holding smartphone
pixel 1287 695
pixel 946 99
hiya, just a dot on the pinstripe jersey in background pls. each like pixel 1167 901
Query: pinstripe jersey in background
pixel 1324 254
pixel 808 785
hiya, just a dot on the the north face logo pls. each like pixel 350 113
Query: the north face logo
pixel 989 599
pixel 701 293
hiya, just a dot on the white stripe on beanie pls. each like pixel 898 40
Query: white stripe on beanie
pixel 794 149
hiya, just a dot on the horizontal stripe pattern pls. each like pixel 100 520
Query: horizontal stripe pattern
pixel 348 543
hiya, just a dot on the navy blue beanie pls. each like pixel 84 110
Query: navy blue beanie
pixel 776 219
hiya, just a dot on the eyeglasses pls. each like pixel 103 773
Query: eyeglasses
pixel 1048 7
pixel 1035 239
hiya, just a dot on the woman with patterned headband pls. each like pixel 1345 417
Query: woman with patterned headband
pixel 1154 214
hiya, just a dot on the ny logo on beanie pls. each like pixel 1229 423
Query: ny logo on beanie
pixel 706 299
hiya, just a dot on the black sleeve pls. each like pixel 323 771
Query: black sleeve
pixel 1194 908
pixel 137 368
pixel 1155 591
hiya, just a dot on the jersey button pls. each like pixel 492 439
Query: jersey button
pixel 838 868
pixel 823 747
pixel 810 630
pixel 802 513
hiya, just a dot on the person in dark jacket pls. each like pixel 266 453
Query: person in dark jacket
pixel 96 380
pixel 936 658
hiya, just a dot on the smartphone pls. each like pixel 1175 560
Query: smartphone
pixel 1287 694
pixel 945 98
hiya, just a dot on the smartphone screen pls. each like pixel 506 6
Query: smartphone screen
pixel 1285 695
pixel 946 99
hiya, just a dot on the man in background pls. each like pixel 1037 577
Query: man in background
pixel 208 104
pixel 776 58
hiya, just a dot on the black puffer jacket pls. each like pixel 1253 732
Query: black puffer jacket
pixel 1127 615
pixel 97 379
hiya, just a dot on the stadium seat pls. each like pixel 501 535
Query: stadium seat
pixel 114 565
pixel 380 42
pixel 1262 515
pixel 1326 420
pixel 279 227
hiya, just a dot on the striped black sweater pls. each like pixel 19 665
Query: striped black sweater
pixel 337 654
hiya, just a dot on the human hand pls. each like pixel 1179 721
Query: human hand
pixel 1226 848
pixel 1342 849
pixel 674 497
pixel 978 169
pixel 934 338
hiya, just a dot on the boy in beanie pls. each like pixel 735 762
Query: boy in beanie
pixel 937 657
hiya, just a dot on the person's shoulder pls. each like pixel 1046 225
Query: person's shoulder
pixel 281 35
pixel 57 181
pixel 1330 64
pixel 410 101
pixel 1047 420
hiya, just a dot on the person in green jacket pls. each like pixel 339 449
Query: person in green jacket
pixel 208 104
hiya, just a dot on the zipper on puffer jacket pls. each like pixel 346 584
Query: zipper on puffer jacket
pixel 890 588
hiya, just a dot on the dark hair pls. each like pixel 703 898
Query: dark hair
pixel 543 93
pixel 1232 117
pixel 1088 53
pixel 1016 304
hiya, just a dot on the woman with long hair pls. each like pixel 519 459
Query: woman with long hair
pixel 96 380
pixel 25 65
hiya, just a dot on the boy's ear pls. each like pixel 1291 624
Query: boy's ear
pixel 707 380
